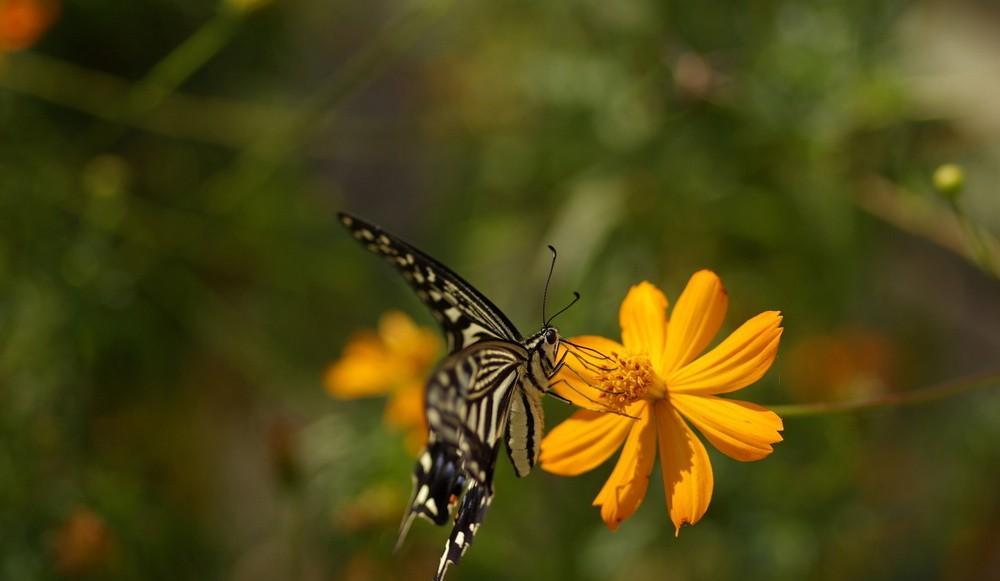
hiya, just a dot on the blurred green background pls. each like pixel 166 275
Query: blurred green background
pixel 173 282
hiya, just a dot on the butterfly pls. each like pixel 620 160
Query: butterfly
pixel 487 388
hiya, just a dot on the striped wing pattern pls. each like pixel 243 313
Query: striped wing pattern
pixel 465 315
pixel 468 401
pixel 480 394
pixel 474 504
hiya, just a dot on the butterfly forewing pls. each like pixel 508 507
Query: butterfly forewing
pixel 465 315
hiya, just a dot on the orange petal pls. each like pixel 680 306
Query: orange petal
pixel 739 429
pixel 405 408
pixel 643 318
pixel 743 358
pixel 695 320
pixel 364 369
pixel 407 340
pixel 583 442
pixel 405 411
pixel 687 472
pixel 416 439
pixel 626 486
pixel 572 380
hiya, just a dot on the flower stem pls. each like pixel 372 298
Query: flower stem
pixel 918 216
pixel 926 394
pixel 180 64
pixel 976 239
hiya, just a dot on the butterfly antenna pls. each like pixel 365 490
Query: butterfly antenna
pixel 576 297
pixel 548 279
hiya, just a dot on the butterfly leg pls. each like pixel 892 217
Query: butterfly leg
pixel 559 364
pixel 555 394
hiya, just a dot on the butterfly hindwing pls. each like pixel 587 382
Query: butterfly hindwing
pixel 465 315
pixel 467 403
pixel 437 478
pixel 476 501
pixel 438 481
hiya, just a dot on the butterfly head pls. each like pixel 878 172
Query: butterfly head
pixel 544 348
pixel 547 340
pixel 549 344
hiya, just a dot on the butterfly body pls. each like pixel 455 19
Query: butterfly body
pixel 487 390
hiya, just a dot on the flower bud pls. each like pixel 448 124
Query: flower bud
pixel 949 179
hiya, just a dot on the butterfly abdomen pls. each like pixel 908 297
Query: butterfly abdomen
pixel 524 431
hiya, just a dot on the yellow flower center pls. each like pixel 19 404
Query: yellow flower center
pixel 628 379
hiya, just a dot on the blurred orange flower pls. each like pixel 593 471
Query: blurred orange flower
pixel 83 544
pixel 847 364
pixel 394 361
pixel 656 376
pixel 22 22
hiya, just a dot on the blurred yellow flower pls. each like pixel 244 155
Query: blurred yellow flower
pixel 657 376
pixel 393 361
pixel 22 22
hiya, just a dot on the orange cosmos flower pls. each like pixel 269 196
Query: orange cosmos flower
pixel 656 376
pixel 395 361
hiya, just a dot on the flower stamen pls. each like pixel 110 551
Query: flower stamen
pixel 628 379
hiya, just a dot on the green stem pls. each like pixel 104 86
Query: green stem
pixel 180 64
pixel 920 217
pixel 211 120
pixel 975 238
pixel 926 394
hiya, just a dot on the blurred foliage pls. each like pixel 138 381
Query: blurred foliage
pixel 173 283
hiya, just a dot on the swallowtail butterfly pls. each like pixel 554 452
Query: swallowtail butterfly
pixel 487 389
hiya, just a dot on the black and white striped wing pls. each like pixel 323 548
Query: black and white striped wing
pixel 468 403
pixel 469 396
pixel 438 482
pixel 471 514
pixel 465 315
